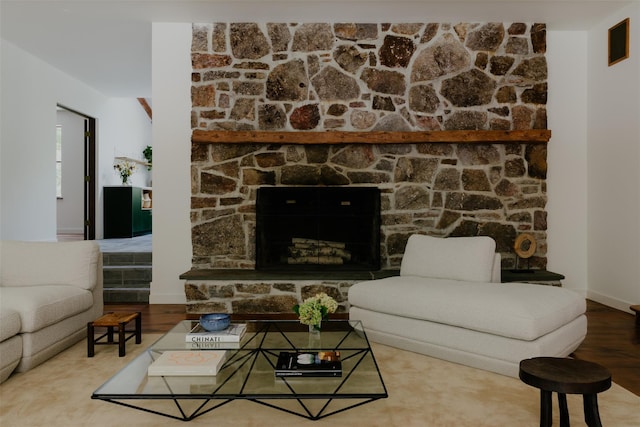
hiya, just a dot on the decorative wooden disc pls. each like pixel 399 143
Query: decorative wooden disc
pixel 525 245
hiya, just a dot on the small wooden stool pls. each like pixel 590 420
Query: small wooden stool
pixel 110 321
pixel 564 375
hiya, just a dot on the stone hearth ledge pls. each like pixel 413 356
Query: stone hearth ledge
pixel 246 274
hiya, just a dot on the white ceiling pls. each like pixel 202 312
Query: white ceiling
pixel 107 43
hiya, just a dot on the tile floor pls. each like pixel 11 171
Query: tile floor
pixel 134 244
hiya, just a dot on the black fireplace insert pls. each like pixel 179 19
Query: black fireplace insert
pixel 318 229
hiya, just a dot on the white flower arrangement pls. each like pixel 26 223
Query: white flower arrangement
pixel 125 169
pixel 314 309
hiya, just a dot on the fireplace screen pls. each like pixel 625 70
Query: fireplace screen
pixel 318 228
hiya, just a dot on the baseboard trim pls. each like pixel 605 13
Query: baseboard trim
pixel 616 303
pixel 79 231
pixel 156 298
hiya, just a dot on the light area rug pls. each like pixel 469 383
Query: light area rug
pixel 423 391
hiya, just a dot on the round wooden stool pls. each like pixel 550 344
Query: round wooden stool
pixel 566 376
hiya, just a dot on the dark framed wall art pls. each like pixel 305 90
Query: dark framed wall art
pixel 619 42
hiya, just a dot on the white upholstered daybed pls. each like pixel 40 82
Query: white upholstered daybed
pixel 448 303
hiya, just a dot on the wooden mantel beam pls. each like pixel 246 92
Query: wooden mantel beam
pixel 535 136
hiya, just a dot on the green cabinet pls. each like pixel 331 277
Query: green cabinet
pixel 127 211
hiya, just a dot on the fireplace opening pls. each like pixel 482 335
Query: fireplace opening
pixel 318 228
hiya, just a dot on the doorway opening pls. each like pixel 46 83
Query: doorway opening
pixel 76 210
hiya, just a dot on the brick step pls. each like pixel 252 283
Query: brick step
pixel 127 295
pixel 126 275
pixel 126 258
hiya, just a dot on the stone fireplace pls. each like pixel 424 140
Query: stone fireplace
pixel 447 122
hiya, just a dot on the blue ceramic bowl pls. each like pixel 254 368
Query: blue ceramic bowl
pixel 215 321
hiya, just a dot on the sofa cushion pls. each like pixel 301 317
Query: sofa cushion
pixel 9 323
pixel 457 258
pixel 516 310
pixel 47 263
pixel 10 354
pixel 41 306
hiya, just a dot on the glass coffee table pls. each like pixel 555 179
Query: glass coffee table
pixel 249 373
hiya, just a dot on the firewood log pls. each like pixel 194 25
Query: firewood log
pixel 295 251
pixel 324 260
pixel 313 242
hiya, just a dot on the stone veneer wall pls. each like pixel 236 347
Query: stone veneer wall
pixel 361 77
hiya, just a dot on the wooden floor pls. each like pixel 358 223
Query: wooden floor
pixel 612 339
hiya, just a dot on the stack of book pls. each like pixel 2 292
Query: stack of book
pixel 187 363
pixel 206 356
pixel 200 338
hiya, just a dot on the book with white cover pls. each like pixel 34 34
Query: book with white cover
pixel 187 363
pixel 233 333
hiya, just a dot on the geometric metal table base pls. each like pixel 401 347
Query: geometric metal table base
pixel 203 409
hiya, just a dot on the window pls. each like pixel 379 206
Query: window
pixel 59 161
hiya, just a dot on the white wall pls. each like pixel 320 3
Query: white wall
pixel 613 228
pixel 567 157
pixel 171 94
pixel 70 208
pixel 31 90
